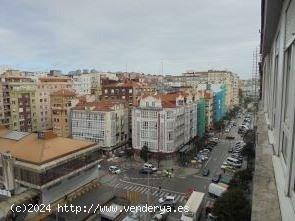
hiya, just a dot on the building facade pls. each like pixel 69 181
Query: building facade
pixel 53 166
pixel 277 75
pixel 18 110
pixel 105 123
pixel 219 102
pixel 45 87
pixel 164 123
pixel 86 83
pixel 61 103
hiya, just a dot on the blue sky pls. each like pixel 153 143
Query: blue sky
pixel 108 34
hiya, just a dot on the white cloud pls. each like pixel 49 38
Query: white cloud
pixel 107 34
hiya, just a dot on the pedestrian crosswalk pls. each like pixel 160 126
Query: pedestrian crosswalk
pixel 134 187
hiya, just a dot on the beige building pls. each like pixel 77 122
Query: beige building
pixel 104 122
pixel 18 99
pixel 51 166
pixel 61 102
pixel 46 86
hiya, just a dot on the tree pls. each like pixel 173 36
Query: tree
pixel 241 179
pixel 232 206
pixel 144 153
pixel 249 137
pixel 219 125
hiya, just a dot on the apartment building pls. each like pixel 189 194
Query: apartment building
pixel 86 83
pixel 278 91
pixel 46 85
pixel 19 110
pixel 194 78
pixel 55 167
pixel 128 91
pixel 219 101
pixel 164 122
pixel 61 103
pixel 103 122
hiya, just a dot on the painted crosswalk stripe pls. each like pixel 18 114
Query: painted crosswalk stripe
pixel 182 198
pixel 145 190
pixel 162 194
pixel 136 188
pixel 141 189
pixel 130 187
pixel 177 198
pixel 156 193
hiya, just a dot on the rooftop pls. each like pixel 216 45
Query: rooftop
pixel 97 106
pixel 64 93
pixel 36 150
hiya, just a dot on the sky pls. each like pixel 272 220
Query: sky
pixel 132 35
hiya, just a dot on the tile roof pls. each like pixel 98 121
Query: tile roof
pixel 64 93
pixel 38 151
pixel 126 84
pixel 168 100
pixel 97 105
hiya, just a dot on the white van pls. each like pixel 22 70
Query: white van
pixel 194 206
pixel 216 190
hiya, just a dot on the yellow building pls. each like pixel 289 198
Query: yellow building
pixel 46 86
pixel 61 103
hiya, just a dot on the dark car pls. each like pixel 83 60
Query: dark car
pixel 205 172
pixel 146 171
pixel 212 143
pixel 216 178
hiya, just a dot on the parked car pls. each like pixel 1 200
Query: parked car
pixel 212 143
pixel 226 130
pixel 150 166
pixel 214 139
pixel 205 172
pixel 168 198
pixel 216 178
pixel 114 169
pixel 146 171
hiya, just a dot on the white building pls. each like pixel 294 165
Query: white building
pixel 105 123
pixel 278 91
pixel 85 83
pixel 164 123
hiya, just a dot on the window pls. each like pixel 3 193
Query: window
pixel 284 147
pixel 144 114
pixel 145 125
pixel 287 87
pixel 153 104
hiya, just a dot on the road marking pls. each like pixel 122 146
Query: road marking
pixel 177 198
pixel 141 189
pixel 181 198
pixel 151 187
pixel 145 190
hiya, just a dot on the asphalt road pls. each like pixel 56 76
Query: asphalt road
pixel 176 184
